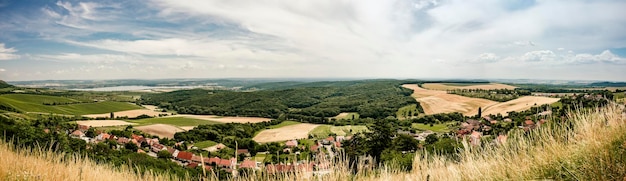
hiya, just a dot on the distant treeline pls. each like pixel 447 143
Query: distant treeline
pixel 499 95
pixel 310 102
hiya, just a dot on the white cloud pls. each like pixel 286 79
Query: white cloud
pixel 7 53
pixel 540 55
pixel 487 58
pixel 2 70
pixel 606 56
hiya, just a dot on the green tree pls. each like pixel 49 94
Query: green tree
pixel 431 138
pixel 131 146
pixel 405 142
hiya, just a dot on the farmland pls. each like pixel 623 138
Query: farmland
pixel 297 131
pixel 442 128
pixel 174 121
pixel 104 123
pixel 323 131
pixel 161 130
pixel 434 101
pixel 41 103
pixel 347 115
pixel 452 86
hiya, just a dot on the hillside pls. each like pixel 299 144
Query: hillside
pixel 591 147
pixel 59 105
pixel 307 101
pixel 4 84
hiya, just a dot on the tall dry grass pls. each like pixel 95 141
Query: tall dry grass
pixel 43 164
pixel 590 145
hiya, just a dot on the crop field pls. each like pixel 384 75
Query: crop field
pixel 323 131
pixel 441 128
pixel 104 123
pixel 519 104
pixel 347 115
pixel 226 119
pixel 35 103
pixel 435 101
pixel 297 131
pixel 452 86
pixel 160 130
pixel 174 121
pixel 205 144
pixel 128 113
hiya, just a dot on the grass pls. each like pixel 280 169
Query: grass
pixel 407 112
pixel 464 84
pixel 205 144
pixel 174 121
pixel 441 128
pixel 348 115
pixel 324 131
pixel 35 103
pixel 283 124
pixel 591 146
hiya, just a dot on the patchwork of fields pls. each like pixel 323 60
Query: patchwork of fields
pixel 37 104
pixel 452 86
pixel 435 101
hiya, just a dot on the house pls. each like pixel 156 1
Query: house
pixel 214 160
pixel 103 136
pixel 173 151
pixel 315 147
pixel 184 156
pixel 158 147
pixel 122 140
pixel 338 144
pixel 196 159
pixel 341 138
pixel 77 134
pixel 248 164
pixel 475 138
pixel 83 127
pixel 225 163
pixel 508 120
pixel 291 143
pixel 243 151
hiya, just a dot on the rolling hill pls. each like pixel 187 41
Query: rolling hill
pixel 59 105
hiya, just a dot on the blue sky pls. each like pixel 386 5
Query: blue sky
pixel 151 39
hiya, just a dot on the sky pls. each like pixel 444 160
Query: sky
pixel 471 39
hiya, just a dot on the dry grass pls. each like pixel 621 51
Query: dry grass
pixel 434 101
pixel 103 123
pixel 161 130
pixel 26 164
pixel 491 86
pixel 590 147
pixel 297 131
pixel 130 113
pixel 226 119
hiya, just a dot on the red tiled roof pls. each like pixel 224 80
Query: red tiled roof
pixel 330 138
pixel 291 143
pixel 338 144
pixel 184 155
pixel 529 122
pixel 240 151
pixel 196 158
pixel 315 147
pixel 248 164
pixel 77 133
pixel 192 165
pixel 215 160
pixel 225 162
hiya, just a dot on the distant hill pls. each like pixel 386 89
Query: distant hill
pixel 608 84
pixel 4 84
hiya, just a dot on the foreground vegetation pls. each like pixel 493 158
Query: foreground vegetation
pixel 589 145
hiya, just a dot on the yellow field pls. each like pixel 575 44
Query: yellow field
pixel 130 113
pixel 103 123
pixel 226 119
pixel 297 131
pixel 439 86
pixel 161 130
pixel 434 102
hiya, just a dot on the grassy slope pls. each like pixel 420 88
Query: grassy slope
pixel 204 144
pixel 323 131
pixel 35 103
pixel 283 124
pixel 436 127
pixel 591 147
pixel 175 121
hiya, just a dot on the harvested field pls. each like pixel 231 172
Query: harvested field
pixel 434 101
pixel 297 131
pixel 443 86
pixel 130 113
pixel 161 130
pixel 104 123
pixel 347 115
pixel 519 104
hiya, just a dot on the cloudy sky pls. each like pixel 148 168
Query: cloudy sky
pixel 150 39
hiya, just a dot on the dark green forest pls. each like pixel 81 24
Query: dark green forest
pixel 305 102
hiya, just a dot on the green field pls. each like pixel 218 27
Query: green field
pixel 348 115
pixel 465 84
pixel 283 124
pixel 205 144
pixel 407 112
pixel 323 131
pixel 174 121
pixel 442 128
pixel 35 103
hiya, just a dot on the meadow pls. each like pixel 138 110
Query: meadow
pixel 42 104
